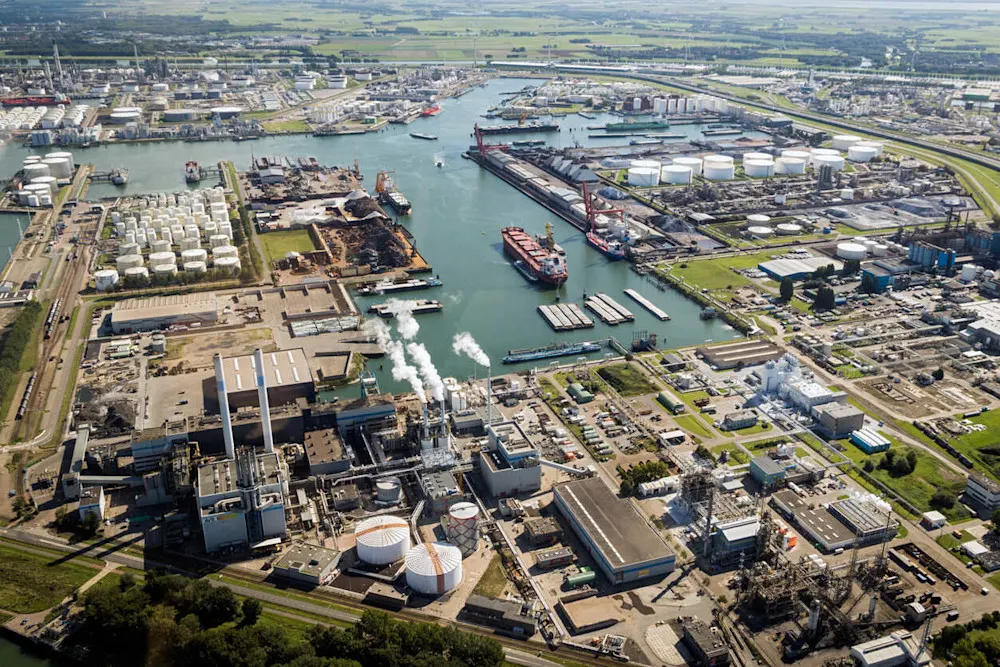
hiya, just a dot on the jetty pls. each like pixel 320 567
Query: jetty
pixel 565 316
pixel 609 310
pixel 647 304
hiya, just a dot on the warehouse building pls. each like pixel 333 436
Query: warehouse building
pixel 734 421
pixel 766 471
pixel 307 564
pixel 162 312
pixel 869 523
pixel 622 544
pixel 837 420
pixel 900 649
pixel 286 373
pixel 503 615
pixel 796 268
pixel 819 525
pixel 742 353
pixel 870 441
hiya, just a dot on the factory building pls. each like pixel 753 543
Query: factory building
pixel 933 519
pixel 161 312
pixel 870 441
pixel 286 373
pixel 870 523
pixel 808 394
pixel 796 269
pixel 734 421
pixel 542 531
pixel 307 564
pixel 837 420
pixel 509 617
pixel 982 493
pixel 732 539
pixel 92 501
pixel 71 476
pixel 441 490
pixel 326 452
pixel 766 471
pixel 930 257
pixel 705 643
pixel 622 544
pixel 743 353
pixel 900 649
pixel 509 464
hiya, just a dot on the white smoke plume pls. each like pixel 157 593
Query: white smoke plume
pixel 464 343
pixel 401 370
pixel 428 372
pixel 406 324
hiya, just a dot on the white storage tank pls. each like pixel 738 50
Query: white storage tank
pixel 758 156
pixel 382 540
pixel 160 245
pixel 675 174
pixel 758 168
pixel 646 164
pixel 165 269
pixel 47 181
pixel 844 141
pixel 780 198
pixel 137 272
pixel 462 527
pixel 797 154
pixel 229 264
pixel 968 273
pixel 225 251
pixel 847 193
pixel 719 171
pixel 760 231
pixel 194 255
pixel 880 250
pixel 163 257
pixel 788 229
pixel 126 262
pixel 718 159
pixel 877 145
pixel 216 240
pixel 692 163
pixel 758 220
pixel 66 155
pixel 105 279
pixel 35 170
pixel 31 159
pixel 861 153
pixel 851 250
pixel 643 177
pixel 194 267
pixel 790 165
pixel 834 161
pixel 189 243
pixel 59 167
pixel 388 490
pixel 433 568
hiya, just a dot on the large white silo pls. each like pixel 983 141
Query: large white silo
pixel 433 568
pixel 382 540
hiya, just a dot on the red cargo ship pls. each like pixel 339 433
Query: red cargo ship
pixel 431 111
pixel 531 259
pixel 35 101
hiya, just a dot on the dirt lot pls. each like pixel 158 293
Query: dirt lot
pixel 199 350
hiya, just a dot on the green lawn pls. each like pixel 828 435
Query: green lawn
pixel 693 425
pixel 31 582
pixel 736 455
pixel 981 446
pixel 278 244
pixel 287 126
pixel 627 379
pixel 493 581
pixel 759 427
pixel 718 274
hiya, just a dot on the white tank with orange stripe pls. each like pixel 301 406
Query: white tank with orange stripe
pixel 382 540
pixel 433 568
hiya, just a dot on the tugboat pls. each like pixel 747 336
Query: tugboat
pixel 119 176
pixel 192 172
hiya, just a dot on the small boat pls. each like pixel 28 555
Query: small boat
pixel 119 176
pixel 192 172
pixel 431 111
pixel 425 137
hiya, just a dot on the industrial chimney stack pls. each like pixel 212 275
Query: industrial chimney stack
pixel 227 423
pixel 265 408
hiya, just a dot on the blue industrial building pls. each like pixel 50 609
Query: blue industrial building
pixel 929 256
pixel 878 277
pixel 767 471
pixel 869 441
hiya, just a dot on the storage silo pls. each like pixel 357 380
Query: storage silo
pixel 861 153
pixel 844 141
pixel 758 168
pixel 968 273
pixel 433 568
pixel 58 167
pixel 137 272
pixel 160 245
pixel 719 171
pixel 880 250
pixel 105 279
pixel 47 181
pixel 660 106
pixel 217 240
pixel 643 176
pixel 672 106
pixel 851 250
pixel 461 526
pixel 675 174
pixel 692 163
pixel 189 243
pixel 381 540
pixel 388 490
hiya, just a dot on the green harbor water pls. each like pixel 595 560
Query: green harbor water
pixel 458 212
pixel 12 655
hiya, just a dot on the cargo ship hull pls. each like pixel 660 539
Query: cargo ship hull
pixel 34 101
pixel 543 264
pixel 550 352
pixel 614 252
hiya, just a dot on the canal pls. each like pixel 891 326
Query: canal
pixel 458 212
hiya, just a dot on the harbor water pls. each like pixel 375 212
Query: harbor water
pixel 458 212
pixel 12 655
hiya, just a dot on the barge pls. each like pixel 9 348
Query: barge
pixel 417 307
pixel 390 287
pixel 551 351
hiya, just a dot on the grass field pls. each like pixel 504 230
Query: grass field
pixel 286 126
pixel 493 581
pixel 278 244
pixel 717 275
pixel 756 429
pixel 981 446
pixel 693 425
pixel 627 380
pixel 736 455
pixel 31 582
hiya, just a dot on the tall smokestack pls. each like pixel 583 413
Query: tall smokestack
pixel 265 408
pixel 227 423
pixel 489 395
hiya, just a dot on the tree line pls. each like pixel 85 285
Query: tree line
pixel 173 621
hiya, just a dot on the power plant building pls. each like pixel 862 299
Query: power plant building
pixel 509 465
pixel 286 373
pixel 622 544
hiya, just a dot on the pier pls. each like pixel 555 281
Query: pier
pixel 609 310
pixel 565 316
pixel 647 304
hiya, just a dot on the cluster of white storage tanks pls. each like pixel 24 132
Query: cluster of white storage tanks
pixel 663 106
pixel 970 272
pixel 159 223
pixel 454 395
pixel 21 118
pixel 42 175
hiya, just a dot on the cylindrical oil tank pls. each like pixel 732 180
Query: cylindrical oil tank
pixel 225 251
pixel 388 490
pixel 968 273
pixel 719 171
pixel 48 181
pixel 861 153
pixel 720 159
pixel 163 257
pixel 159 343
pixel 216 240
pixel 382 540
pixel 758 168
pixel 180 115
pixel 851 250
pixel 760 232
pixel 675 174
pixel 126 249
pixel 643 177
pixel 66 155
pixel 788 229
pixel 758 156
pixel 877 145
pixel 646 164
pixel 844 141
pixel 105 279
pixel 790 165
pixel 847 193
pixel 165 269
pixel 880 250
pixel 693 163
pixel 433 568
pixel 194 255
pixel 137 272
pixel 189 243
pixel 160 245
pixel 834 161
pixel 59 167
pixel 230 264
pixel 758 219
pixel 194 267
pixel 35 170
pixel 816 152
pixel 462 527
pixel 797 154
pixel 31 159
